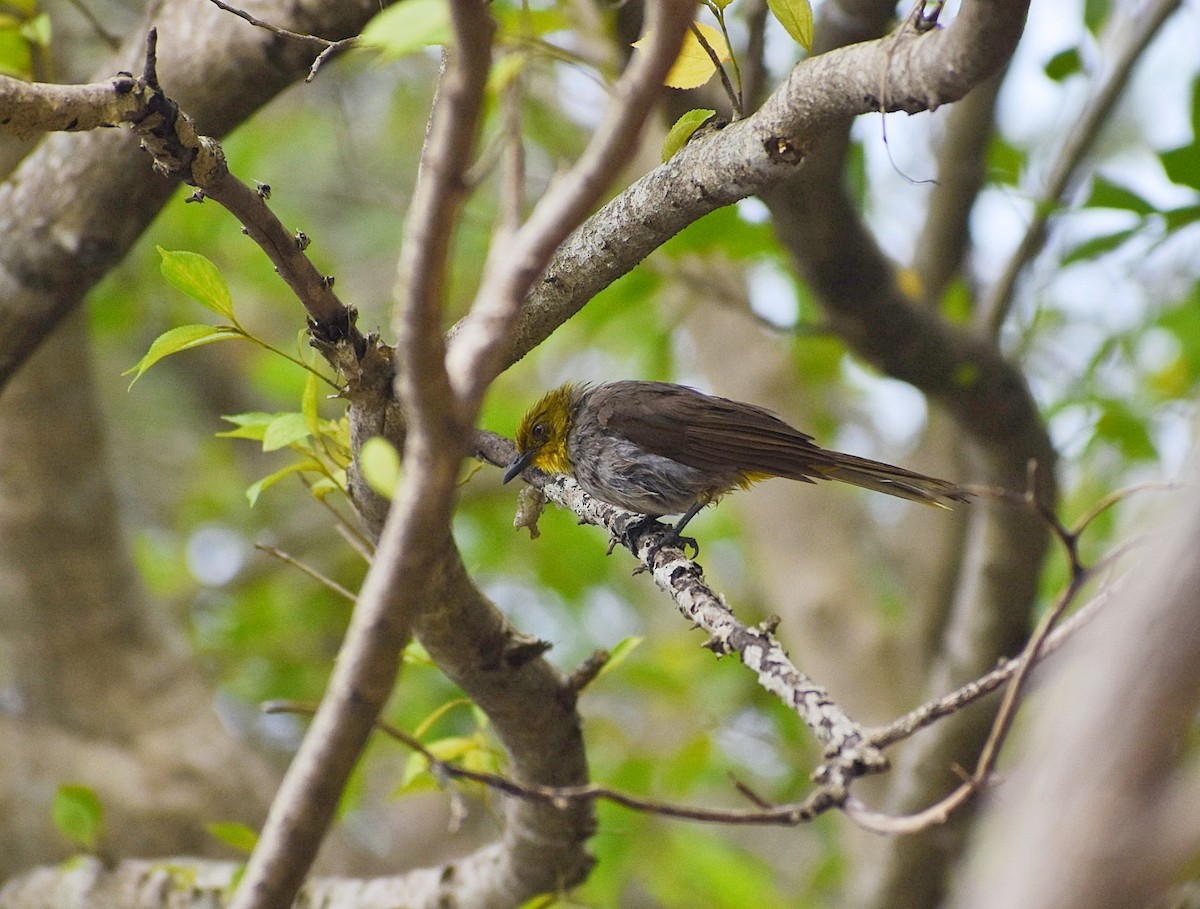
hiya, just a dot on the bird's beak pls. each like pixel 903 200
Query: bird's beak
pixel 519 463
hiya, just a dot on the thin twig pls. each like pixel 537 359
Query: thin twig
pixel 1066 169
pixel 735 98
pixel 323 43
pixel 819 801
pixel 113 41
pixel 329 48
pixel 307 569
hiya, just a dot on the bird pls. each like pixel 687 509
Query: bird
pixel 657 448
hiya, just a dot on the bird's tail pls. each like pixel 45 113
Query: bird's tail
pixel 895 481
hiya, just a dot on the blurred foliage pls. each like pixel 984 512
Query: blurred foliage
pixel 1109 335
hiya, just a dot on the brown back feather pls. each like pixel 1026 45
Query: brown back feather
pixel 720 436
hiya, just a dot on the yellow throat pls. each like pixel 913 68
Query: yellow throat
pixel 544 429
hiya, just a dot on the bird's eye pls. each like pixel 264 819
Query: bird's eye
pixel 540 432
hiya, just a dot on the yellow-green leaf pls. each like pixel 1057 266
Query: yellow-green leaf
pixel 693 67
pixel 683 129
pixel 232 833
pixel 380 465
pixel 796 17
pixel 256 489
pixel 249 425
pixel 309 403
pixel 619 654
pixel 185 337
pixel 197 277
pixel 505 70
pixel 283 431
pixel 78 815
pixel 405 28
pixel 37 30
pixel 15 58
pixel 324 486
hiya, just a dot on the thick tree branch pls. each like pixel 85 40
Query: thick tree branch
pixel 478 345
pixel 722 167
pixel 1104 751
pixel 30 108
pixel 85 198
pixel 944 240
pixel 415 543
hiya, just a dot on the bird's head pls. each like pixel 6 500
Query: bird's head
pixel 542 434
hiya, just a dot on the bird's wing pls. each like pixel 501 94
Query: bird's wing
pixel 729 437
pixel 704 431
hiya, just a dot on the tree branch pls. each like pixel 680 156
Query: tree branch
pixel 1134 37
pixel 95 193
pixel 415 543
pixel 1114 720
pixel 744 158
pixel 478 343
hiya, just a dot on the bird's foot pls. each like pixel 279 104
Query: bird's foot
pixel 671 537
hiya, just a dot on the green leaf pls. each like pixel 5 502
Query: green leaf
pixel 249 425
pixel 404 28
pixel 1106 194
pixel 380 465
pixel 683 129
pixel 257 489
pixel 1123 428
pixel 504 70
pixel 1181 217
pixel 1063 64
pixel 37 31
pixel 796 17
pixel 197 277
pixel 1183 165
pixel 15 59
pixel 283 431
pixel 232 833
pixel 324 486
pixel 619 654
pixel 957 304
pixel 1094 14
pixel 185 337
pixel 1097 246
pixel 1004 162
pixel 78 815
pixel 309 403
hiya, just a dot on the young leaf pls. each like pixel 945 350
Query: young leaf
pixel 380 465
pixel 232 833
pixel 693 67
pixel 78 815
pixel 309 402
pixel 283 431
pixel 619 654
pixel 197 277
pixel 249 425
pixel 405 28
pixel 796 17
pixel 256 489
pixel 185 337
pixel 683 129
